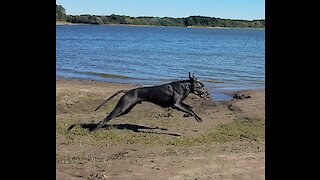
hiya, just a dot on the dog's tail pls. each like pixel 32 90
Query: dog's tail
pixel 121 91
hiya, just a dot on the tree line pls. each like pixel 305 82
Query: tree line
pixel 198 21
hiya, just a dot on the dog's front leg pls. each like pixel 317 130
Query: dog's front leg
pixel 189 107
pixel 184 108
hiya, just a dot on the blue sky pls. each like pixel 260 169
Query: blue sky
pixel 228 9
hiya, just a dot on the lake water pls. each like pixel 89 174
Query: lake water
pixel 224 59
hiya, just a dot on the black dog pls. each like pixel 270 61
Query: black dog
pixel 166 95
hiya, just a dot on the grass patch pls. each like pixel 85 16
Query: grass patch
pixel 126 137
pixel 239 129
pixel 110 136
pixel 77 159
pixel 130 132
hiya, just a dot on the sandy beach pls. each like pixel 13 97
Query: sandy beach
pixel 151 142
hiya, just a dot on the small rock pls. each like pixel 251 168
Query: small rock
pixel 241 96
pixel 186 115
pixel 234 108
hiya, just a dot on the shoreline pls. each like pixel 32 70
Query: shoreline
pixel 219 96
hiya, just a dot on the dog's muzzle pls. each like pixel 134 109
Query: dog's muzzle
pixel 199 93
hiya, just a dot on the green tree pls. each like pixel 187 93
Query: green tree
pixel 60 13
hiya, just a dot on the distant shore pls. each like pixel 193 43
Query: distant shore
pixel 67 23
pixel 134 25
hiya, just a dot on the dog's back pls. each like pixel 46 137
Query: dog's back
pixel 160 95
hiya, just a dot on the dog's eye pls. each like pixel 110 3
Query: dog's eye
pixel 187 87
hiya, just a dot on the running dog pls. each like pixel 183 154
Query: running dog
pixel 166 95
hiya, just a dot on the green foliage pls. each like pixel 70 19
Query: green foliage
pixel 60 13
pixel 85 19
pixel 197 21
pixel 238 130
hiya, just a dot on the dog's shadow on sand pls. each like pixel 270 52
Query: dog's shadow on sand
pixel 132 127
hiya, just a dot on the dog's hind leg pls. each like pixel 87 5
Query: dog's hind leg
pixel 125 104
pixel 119 111
pixel 121 91
pixel 127 110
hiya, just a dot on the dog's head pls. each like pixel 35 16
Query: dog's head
pixel 197 86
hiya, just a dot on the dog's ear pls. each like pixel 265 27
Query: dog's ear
pixel 192 78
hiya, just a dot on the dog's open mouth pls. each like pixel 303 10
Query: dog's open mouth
pixel 199 93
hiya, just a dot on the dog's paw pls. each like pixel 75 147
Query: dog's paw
pixel 99 126
pixel 199 119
